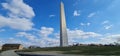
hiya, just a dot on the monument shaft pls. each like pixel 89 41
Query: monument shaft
pixel 63 30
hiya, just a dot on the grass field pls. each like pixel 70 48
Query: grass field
pixel 83 50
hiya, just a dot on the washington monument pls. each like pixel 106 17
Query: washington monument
pixel 63 30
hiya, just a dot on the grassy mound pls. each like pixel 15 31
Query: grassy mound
pixel 83 50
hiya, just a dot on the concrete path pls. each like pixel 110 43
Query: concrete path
pixel 8 53
pixel 46 53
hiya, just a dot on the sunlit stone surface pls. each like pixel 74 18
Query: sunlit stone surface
pixel 63 31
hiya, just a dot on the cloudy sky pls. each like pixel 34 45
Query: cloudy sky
pixel 36 22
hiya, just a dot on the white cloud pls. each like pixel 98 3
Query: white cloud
pixel 53 40
pixel 49 42
pixel 16 23
pixel 19 8
pixel 108 27
pixel 51 16
pixel 19 15
pixel 46 37
pixel 46 40
pixel 75 36
pixel 79 34
pixel 111 39
pixel 105 22
pixel 26 35
pixel 91 15
pixel 85 24
pixel 107 39
pixel 12 40
pixel 76 13
pixel 82 24
pixel 41 37
pixel 45 32
pixel 1 43
pixel 88 24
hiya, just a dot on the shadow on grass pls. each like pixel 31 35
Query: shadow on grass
pixel 33 55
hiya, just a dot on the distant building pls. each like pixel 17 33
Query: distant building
pixel 12 46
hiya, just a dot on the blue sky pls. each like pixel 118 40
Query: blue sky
pixel 36 22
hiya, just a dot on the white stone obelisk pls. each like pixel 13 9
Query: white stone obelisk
pixel 63 30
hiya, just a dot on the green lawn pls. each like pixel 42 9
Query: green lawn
pixel 83 50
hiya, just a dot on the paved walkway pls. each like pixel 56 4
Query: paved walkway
pixel 8 53
pixel 41 53
pixel 47 53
